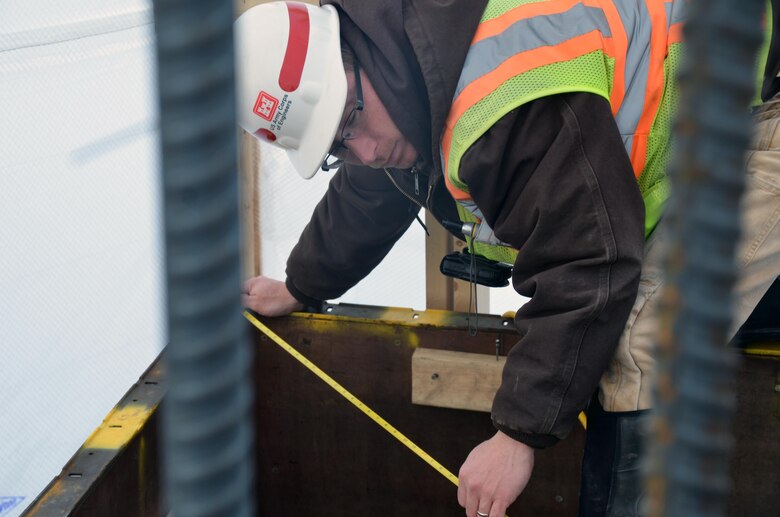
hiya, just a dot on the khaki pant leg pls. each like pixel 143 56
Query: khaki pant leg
pixel 627 383
pixel 759 254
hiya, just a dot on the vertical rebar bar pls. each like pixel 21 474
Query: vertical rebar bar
pixel 691 441
pixel 206 420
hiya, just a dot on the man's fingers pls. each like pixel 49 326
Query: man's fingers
pixel 246 301
pixel 498 509
pixel 472 503
pixel 466 498
pixel 461 495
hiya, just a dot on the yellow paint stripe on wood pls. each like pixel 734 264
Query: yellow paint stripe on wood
pixel 119 427
pixel 769 349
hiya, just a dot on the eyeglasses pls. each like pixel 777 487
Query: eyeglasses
pixel 336 155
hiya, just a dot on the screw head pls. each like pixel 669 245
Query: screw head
pixel 434 376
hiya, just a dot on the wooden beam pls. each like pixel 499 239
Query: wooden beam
pixel 439 289
pixel 249 170
pixel 457 380
pixel 442 292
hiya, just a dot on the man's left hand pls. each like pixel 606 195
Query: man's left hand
pixel 494 474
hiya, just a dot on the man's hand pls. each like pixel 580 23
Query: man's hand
pixel 494 474
pixel 268 297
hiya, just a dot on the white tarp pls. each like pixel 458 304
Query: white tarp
pixel 80 266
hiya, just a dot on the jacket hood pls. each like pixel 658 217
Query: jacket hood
pixel 412 51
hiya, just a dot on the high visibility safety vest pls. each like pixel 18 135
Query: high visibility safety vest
pixel 626 51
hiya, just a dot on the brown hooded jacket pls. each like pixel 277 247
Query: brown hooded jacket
pixel 552 179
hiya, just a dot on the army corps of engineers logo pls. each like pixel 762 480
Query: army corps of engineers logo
pixel 265 106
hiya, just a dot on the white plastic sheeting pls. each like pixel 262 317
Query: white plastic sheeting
pixel 80 263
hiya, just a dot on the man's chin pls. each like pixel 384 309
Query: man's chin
pixel 407 162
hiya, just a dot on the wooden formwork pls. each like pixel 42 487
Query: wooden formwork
pixel 317 455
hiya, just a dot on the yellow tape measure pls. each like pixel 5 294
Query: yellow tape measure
pixel 398 435
pixel 384 424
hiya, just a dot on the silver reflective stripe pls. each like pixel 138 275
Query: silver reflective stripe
pixel 636 20
pixel 528 34
pixel 554 29
pixel 484 233
pixel 675 12
pixel 628 141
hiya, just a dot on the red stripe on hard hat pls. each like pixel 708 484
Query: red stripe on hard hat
pixel 265 134
pixel 297 46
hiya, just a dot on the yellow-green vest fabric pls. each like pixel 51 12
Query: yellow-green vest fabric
pixel 626 51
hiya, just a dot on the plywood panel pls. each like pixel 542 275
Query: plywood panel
pixel 318 455
pixel 756 457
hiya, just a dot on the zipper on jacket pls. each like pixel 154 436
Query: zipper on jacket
pixel 402 191
pixel 431 184
pixel 410 198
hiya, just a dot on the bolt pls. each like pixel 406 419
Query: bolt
pixel 558 499
pixel 777 388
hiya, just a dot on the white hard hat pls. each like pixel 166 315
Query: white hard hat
pixel 291 85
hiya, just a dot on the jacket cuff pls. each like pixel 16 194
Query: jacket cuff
pixel 537 441
pixel 309 302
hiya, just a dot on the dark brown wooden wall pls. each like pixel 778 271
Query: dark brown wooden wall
pixel 317 455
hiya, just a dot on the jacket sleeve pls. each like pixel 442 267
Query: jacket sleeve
pixel 355 224
pixel 555 181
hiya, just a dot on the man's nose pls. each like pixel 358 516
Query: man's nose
pixel 363 149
